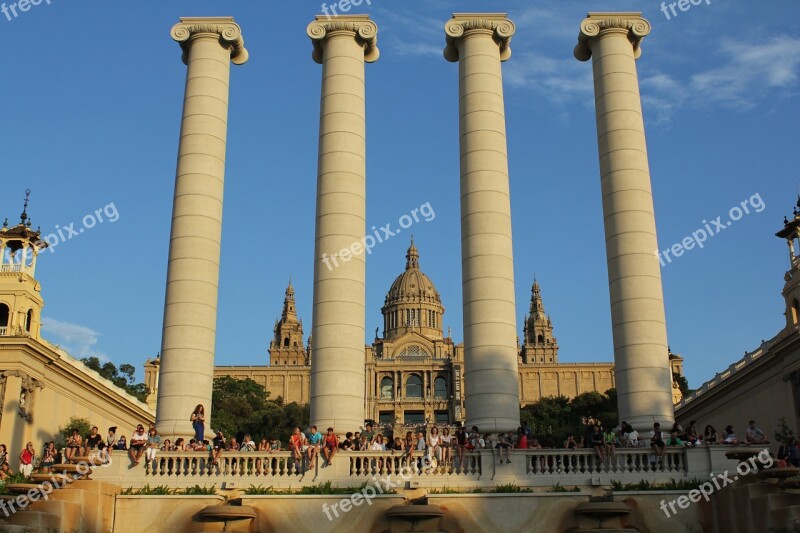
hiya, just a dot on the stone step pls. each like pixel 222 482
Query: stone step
pixel 70 514
pixel 73 469
pixel 36 521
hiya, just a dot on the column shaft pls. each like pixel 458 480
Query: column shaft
pixel 487 265
pixel 186 369
pixel 337 363
pixel 643 376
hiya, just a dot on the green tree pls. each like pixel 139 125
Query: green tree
pixel 123 377
pixel 552 419
pixel 683 383
pixel 240 406
pixel 83 426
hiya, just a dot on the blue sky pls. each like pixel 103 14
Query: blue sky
pixel 91 111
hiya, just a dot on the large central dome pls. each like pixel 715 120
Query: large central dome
pixel 413 303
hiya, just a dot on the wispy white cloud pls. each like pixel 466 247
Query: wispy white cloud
pixel 750 70
pixel 408 32
pixel 557 80
pixel 746 75
pixel 78 340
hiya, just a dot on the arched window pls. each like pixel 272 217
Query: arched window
pixel 414 386
pixel 440 388
pixel 413 350
pixel 540 339
pixel 286 342
pixel 387 388
pixel 28 320
pixel 4 316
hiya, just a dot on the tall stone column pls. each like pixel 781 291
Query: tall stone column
pixel 190 310
pixel 342 45
pixel 643 376
pixel 480 42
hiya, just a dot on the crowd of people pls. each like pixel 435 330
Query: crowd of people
pixel 442 446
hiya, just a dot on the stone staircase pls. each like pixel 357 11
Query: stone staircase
pixel 66 502
pixel 764 503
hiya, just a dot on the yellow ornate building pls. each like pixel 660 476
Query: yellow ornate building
pixel 41 385
pixel 415 372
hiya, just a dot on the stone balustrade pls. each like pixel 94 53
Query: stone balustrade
pixel 480 469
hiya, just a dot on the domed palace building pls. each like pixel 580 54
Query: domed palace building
pixel 414 372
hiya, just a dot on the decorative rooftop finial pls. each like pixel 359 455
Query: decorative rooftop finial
pixel 5 223
pixel 24 216
pixel 412 256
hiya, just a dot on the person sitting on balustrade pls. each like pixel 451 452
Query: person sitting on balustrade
pixel 330 445
pixel 674 439
pixel 754 435
pixel 710 435
pixel 729 437
pixel 657 443
pixel 138 444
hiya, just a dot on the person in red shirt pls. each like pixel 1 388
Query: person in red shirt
pixel 522 439
pixel 26 460
pixel 330 445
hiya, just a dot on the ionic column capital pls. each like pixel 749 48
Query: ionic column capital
pixel 228 32
pixel 630 25
pixel 496 25
pixel 361 27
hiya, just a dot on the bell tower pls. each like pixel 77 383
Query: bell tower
pixel 286 347
pixel 20 299
pixel 791 289
pixel 540 345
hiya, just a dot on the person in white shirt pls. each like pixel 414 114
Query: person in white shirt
pixel 248 445
pixel 435 443
pixel 632 438
pixel 378 445
pixel 138 444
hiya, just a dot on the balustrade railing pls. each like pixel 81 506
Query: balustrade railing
pixel 199 464
pixel 587 462
pixel 10 268
pixel 282 465
pixel 379 463
pixel 3 331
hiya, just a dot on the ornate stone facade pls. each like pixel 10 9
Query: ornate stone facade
pixel 414 372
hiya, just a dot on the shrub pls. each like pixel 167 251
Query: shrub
pixel 147 490
pixel 644 485
pixel 558 488
pixel 510 488
pixel 260 490
pixel 197 490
